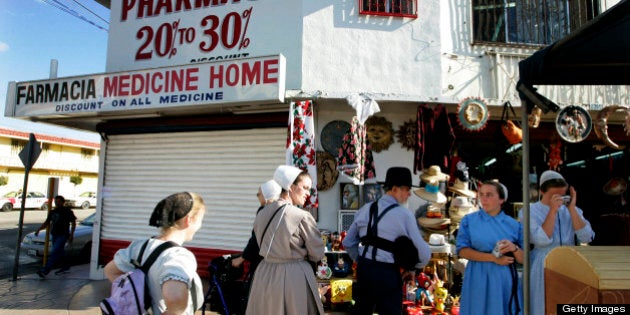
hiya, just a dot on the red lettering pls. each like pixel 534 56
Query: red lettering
pixel 155 88
pixel 110 86
pixel 251 73
pixel 163 4
pixel 126 6
pixel 271 68
pixel 123 87
pixel 191 78
pixel 137 82
pixel 232 74
pixel 216 76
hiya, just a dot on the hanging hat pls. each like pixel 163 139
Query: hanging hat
pixel 433 173
pixel 397 176
pixel 460 206
pixel 270 190
pixel 434 224
pixel 461 188
pixel 549 175
pixel 615 186
pixel 285 175
pixel 431 192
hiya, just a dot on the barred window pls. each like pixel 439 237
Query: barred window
pixel 403 8
pixel 536 22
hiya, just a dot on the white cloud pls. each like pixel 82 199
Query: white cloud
pixel 4 46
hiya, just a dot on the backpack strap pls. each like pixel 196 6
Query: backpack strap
pixel 267 226
pixel 147 265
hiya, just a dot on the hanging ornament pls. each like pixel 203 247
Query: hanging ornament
pixel 473 114
pixel 407 134
pixel 601 125
pixel 555 154
pixel 573 124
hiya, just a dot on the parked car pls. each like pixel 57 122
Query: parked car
pixel 83 201
pixel 34 200
pixel 80 248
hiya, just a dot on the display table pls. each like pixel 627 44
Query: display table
pixel 587 275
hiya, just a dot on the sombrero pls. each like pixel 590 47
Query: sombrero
pixel 461 188
pixel 615 186
pixel 431 192
pixel 460 206
pixel 433 173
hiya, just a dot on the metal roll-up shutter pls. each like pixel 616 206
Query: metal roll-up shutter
pixel 224 167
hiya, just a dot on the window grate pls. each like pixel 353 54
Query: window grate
pixel 536 22
pixel 403 8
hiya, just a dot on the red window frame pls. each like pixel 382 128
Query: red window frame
pixel 401 8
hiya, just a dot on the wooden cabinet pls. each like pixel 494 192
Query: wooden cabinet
pixel 587 275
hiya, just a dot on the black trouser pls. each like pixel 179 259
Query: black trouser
pixel 379 288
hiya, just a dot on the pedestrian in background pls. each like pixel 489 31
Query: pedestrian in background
pixel 268 192
pixel 62 223
pixel 379 280
pixel 553 222
pixel 179 217
pixel 284 282
pixel 491 284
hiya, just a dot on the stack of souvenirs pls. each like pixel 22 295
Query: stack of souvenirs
pixel 461 203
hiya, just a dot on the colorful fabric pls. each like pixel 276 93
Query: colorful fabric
pixel 355 156
pixel 435 138
pixel 301 145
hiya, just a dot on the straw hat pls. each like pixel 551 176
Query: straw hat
pixel 461 188
pixel 615 186
pixel 460 206
pixel 434 224
pixel 285 175
pixel 433 173
pixel 431 192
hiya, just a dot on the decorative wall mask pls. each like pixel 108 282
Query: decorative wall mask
pixel 601 125
pixel 473 114
pixel 332 135
pixel 380 133
pixel 327 172
pixel 408 135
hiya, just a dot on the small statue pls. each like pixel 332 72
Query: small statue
pixel 336 242
pixel 323 271
pixel 341 268
pixel 440 295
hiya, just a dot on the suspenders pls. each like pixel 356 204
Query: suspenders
pixel 371 238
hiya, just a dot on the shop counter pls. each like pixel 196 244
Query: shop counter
pixel 587 275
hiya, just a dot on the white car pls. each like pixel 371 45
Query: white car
pixel 83 201
pixel 34 200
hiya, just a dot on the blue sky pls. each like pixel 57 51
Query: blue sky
pixel 33 32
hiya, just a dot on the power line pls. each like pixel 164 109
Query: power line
pixel 56 4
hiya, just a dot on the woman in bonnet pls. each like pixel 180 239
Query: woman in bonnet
pixel 173 282
pixel 284 282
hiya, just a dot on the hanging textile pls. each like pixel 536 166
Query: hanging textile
pixel 435 138
pixel 355 157
pixel 364 105
pixel 301 146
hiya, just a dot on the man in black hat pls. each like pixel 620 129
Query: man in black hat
pixel 373 239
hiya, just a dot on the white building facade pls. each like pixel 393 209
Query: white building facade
pixel 196 95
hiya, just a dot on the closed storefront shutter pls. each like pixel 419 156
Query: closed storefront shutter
pixel 224 167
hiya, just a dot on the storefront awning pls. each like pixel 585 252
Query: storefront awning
pixel 596 54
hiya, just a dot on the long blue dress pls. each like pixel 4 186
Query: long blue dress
pixel 563 234
pixel 487 287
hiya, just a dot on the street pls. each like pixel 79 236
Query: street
pixel 8 236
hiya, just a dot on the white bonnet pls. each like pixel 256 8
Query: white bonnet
pixel 549 175
pixel 270 190
pixel 285 175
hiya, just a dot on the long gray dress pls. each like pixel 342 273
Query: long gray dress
pixel 284 282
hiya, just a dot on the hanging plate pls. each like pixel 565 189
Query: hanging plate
pixel 473 114
pixel 573 124
pixel 332 136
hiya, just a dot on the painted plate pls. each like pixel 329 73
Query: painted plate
pixel 573 124
pixel 332 136
pixel 473 114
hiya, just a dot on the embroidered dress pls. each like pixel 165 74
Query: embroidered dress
pixel 301 145
pixel 487 286
pixel 355 157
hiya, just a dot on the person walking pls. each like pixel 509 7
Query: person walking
pixel 553 222
pixel 491 241
pixel 173 282
pixel 62 223
pixel 284 282
pixel 379 279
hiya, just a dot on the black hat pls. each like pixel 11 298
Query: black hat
pixel 397 176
